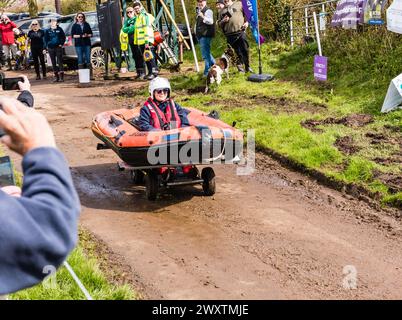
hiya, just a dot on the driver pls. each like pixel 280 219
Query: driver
pixel 160 112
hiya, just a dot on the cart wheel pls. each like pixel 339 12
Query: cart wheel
pixel 152 185
pixel 137 176
pixel 208 175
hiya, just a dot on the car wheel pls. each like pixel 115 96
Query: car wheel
pixel 98 58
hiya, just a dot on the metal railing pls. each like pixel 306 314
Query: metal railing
pixel 302 23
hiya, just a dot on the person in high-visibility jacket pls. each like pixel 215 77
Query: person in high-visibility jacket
pixel 123 41
pixel 138 26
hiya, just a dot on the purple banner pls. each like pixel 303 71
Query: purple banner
pixel 320 68
pixel 348 13
pixel 250 8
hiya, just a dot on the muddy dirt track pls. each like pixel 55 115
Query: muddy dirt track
pixel 272 235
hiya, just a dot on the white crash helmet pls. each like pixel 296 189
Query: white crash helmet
pixel 159 83
pixel 16 31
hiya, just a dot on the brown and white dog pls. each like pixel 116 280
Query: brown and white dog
pixel 215 73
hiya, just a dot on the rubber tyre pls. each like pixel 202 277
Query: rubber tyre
pixel 208 175
pixel 151 185
pixel 137 176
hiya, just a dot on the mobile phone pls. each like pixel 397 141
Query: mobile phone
pixel 11 83
pixel 227 14
pixel 6 172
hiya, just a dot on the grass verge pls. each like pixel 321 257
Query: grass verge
pixel 335 127
pixel 86 265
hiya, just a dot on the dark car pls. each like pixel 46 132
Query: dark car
pixel 70 55
pixel 18 16
pixel 24 24
pixel 25 15
pixel 49 14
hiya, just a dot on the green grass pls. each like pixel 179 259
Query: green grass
pixel 357 85
pixel 86 266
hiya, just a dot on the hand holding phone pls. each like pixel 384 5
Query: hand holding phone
pixel 24 85
pixel 25 128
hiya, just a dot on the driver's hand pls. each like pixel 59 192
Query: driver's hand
pixel 25 129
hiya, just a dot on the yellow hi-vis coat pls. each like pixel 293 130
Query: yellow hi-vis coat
pixel 143 30
pixel 123 41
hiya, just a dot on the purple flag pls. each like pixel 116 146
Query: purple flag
pixel 250 9
pixel 348 13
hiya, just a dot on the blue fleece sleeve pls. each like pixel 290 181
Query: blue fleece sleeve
pixel 183 115
pixel 38 229
pixel 146 120
pixel 26 98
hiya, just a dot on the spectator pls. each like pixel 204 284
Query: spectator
pixel 81 32
pixel 54 41
pixel 36 38
pixel 22 49
pixel 220 4
pixel 233 23
pixel 205 31
pixel 39 228
pixel 7 37
pixel 140 32
pixel 2 63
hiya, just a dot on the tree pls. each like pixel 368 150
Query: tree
pixel 32 8
pixel 4 4
pixel 57 4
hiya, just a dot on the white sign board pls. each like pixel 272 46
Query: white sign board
pixel 323 20
pixel 394 17
pixel 394 95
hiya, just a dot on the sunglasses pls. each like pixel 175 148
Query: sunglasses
pixel 129 12
pixel 34 24
pixel 160 91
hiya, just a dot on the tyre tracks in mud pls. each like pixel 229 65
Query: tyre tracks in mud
pixel 273 235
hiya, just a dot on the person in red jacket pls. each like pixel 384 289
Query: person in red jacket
pixel 7 36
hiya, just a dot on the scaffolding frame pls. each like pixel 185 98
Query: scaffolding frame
pixel 162 23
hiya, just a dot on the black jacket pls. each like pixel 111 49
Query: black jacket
pixel 37 39
pixel 76 30
pixel 202 29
